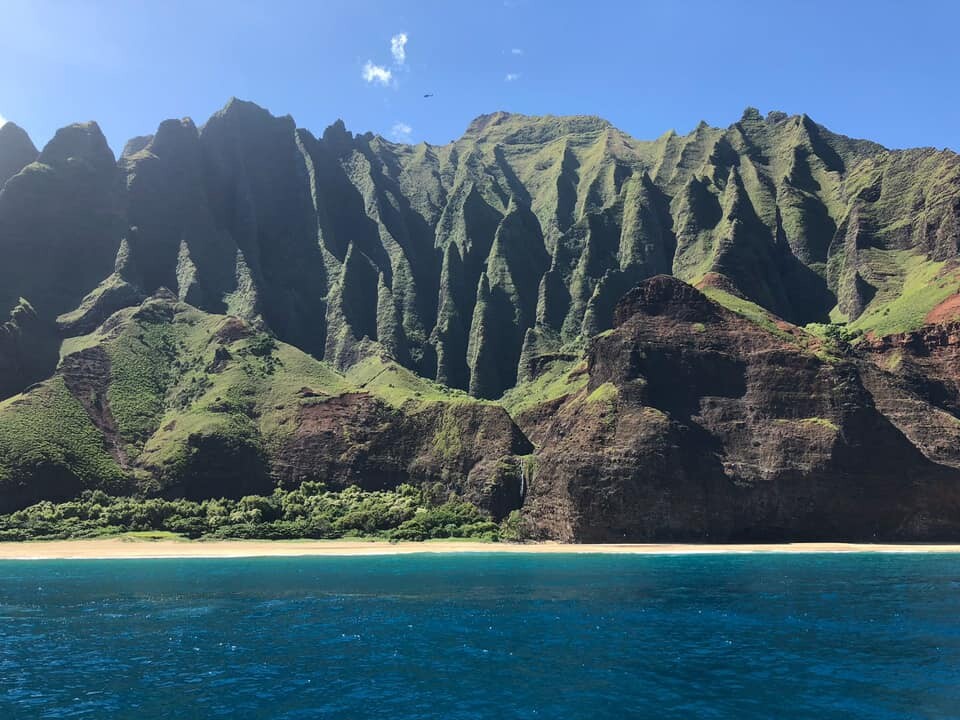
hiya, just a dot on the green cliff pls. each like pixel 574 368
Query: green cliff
pixel 245 304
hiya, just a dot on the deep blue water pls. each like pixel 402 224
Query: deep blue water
pixel 483 636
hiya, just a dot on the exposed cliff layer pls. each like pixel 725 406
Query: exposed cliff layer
pixel 515 240
pixel 696 423
pixel 244 304
pixel 163 399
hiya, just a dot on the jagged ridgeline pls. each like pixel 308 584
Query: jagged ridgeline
pixel 244 307
pixel 464 262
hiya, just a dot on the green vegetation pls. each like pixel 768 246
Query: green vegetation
pixel 541 223
pixel 396 385
pixel 50 428
pixel 448 439
pixel 142 369
pixel 561 378
pixel 914 286
pixel 113 288
pixel 310 511
pixel 510 528
pixel 243 394
pixel 893 361
pixel 822 422
pixel 835 332
pixel 171 386
pixel 559 214
pixel 605 393
pixel 837 339
pixel 747 309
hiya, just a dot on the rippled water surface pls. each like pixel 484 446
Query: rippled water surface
pixel 483 636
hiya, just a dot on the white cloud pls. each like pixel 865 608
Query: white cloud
pixel 3 121
pixel 376 73
pixel 381 74
pixel 511 77
pixel 516 51
pixel 401 132
pixel 398 48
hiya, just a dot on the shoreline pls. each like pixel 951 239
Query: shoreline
pixel 143 549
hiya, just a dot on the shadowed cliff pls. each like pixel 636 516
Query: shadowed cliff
pixel 739 333
pixel 516 240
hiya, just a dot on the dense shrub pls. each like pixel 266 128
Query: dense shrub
pixel 309 511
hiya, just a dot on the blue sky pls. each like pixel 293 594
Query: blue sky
pixel 885 70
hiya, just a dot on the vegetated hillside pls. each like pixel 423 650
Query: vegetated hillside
pixel 515 240
pixel 163 399
pixel 242 305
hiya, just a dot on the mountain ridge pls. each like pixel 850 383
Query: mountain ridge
pixel 759 202
pixel 486 269
pixel 689 173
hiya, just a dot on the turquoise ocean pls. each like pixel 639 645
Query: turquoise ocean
pixel 483 636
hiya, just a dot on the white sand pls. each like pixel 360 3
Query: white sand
pixel 125 547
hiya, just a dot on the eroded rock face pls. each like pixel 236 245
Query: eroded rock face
pixel 464 259
pixel 697 424
pixel 356 439
pixel 16 151
pixel 28 349
pixel 166 400
pixel 61 223
pixel 480 264
pixel 914 379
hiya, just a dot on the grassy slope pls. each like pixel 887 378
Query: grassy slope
pixel 912 287
pixel 819 176
pixel 49 427
pixel 747 309
pixel 172 377
pixel 163 389
pixel 562 378
pixel 397 386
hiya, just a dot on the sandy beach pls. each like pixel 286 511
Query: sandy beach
pixel 133 548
